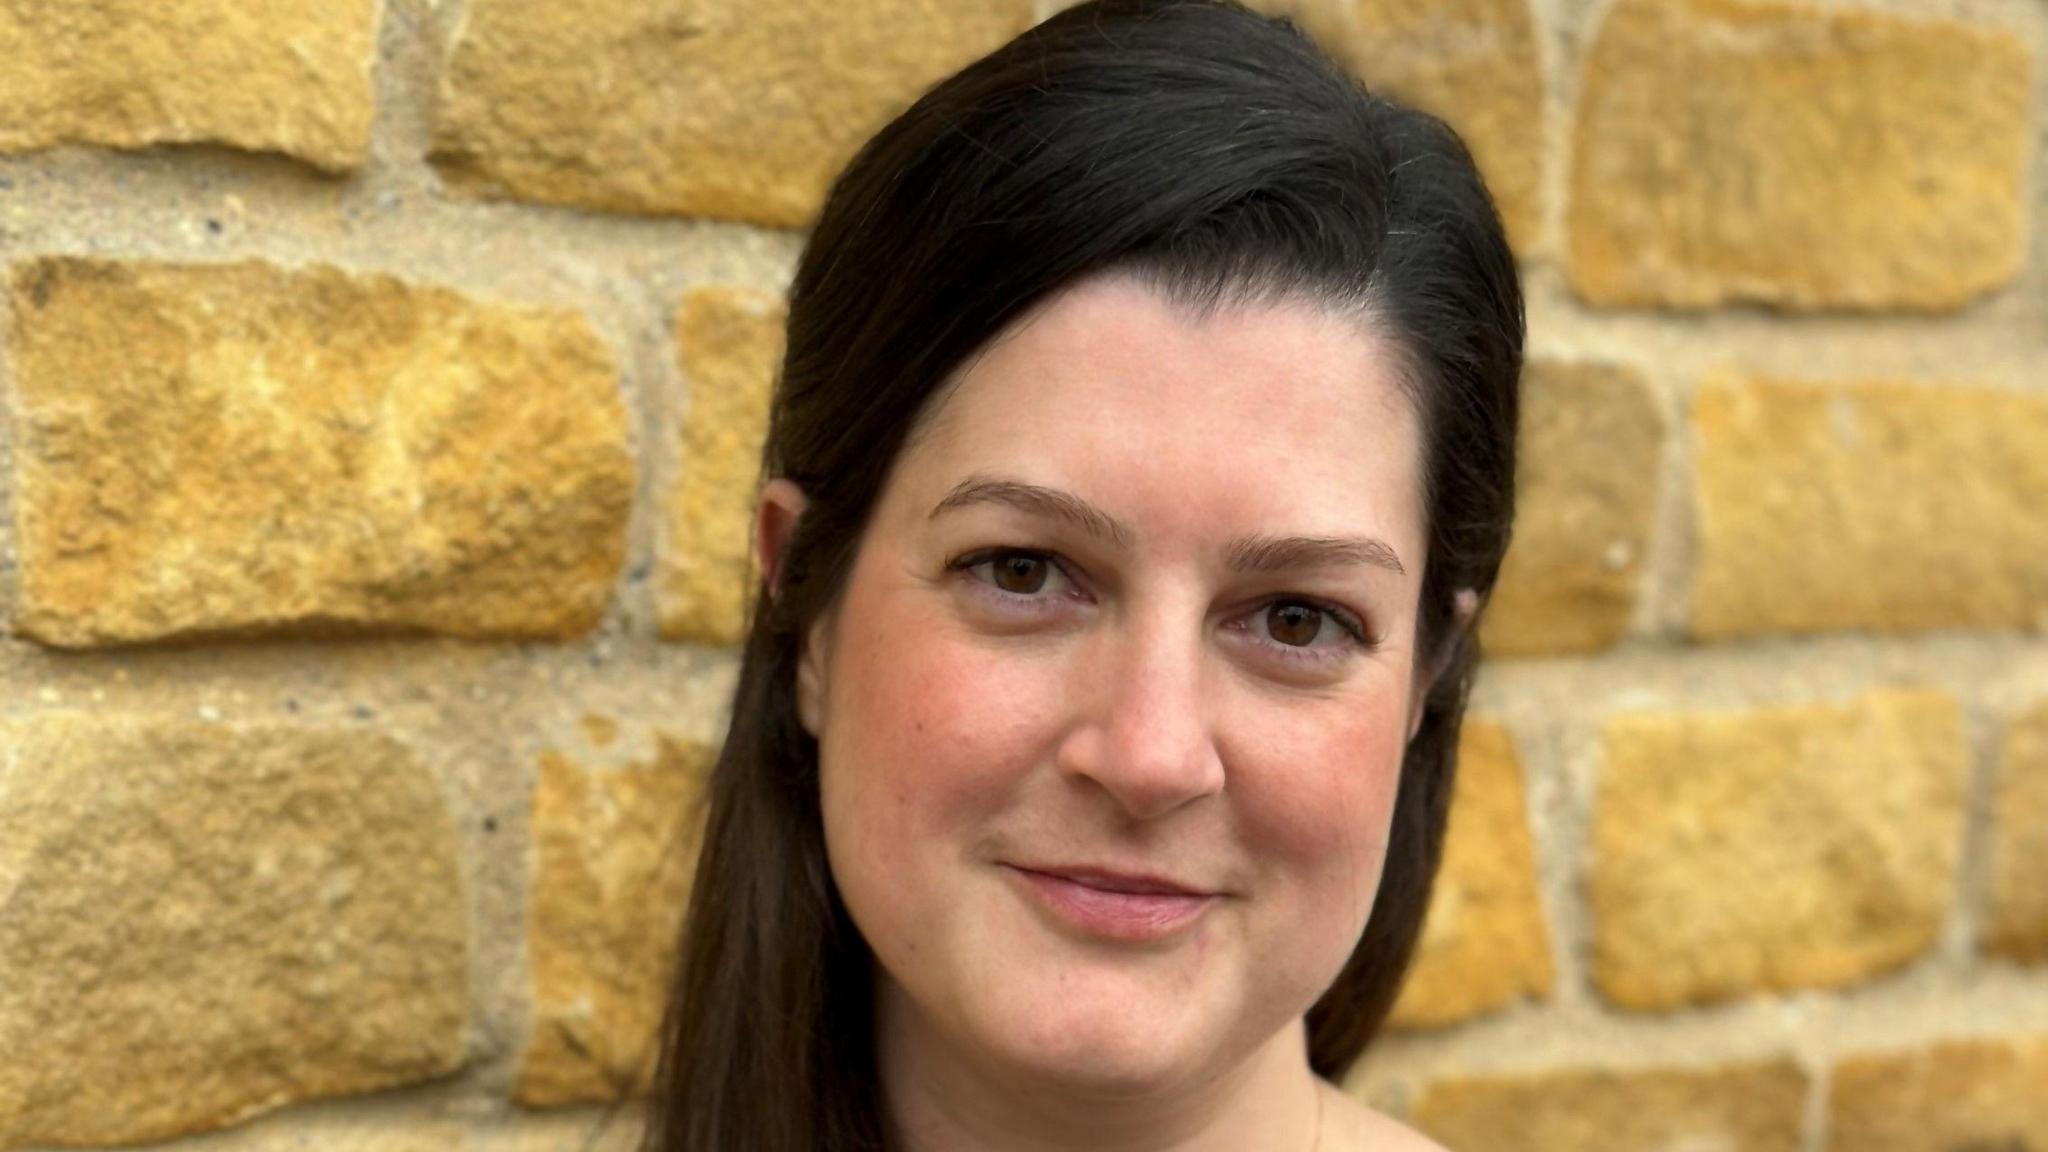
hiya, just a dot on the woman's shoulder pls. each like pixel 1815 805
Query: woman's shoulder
pixel 1351 1126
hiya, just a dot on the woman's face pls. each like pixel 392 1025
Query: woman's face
pixel 1112 707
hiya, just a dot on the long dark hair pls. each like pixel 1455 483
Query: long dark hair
pixel 1220 155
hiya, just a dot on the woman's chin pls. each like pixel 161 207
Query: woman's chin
pixel 1105 1072
pixel 1139 1051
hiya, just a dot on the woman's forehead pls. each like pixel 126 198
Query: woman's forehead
pixel 1127 397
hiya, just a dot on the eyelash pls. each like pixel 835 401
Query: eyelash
pixel 1350 624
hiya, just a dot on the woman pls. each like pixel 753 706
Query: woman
pixel 1141 457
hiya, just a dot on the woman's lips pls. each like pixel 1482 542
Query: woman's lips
pixel 1127 909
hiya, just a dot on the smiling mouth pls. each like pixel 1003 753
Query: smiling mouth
pixel 1110 906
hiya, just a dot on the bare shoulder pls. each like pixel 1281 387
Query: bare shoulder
pixel 1351 1126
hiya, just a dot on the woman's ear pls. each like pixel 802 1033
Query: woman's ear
pixel 782 505
pixel 1464 606
pixel 782 502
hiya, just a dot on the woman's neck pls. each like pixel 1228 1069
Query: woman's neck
pixel 945 1100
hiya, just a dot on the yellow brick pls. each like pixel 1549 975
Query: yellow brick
pixel 1473 62
pixel 2019 853
pixel 1797 155
pixel 1783 848
pixel 1969 1096
pixel 396 1127
pixel 615 851
pixel 206 922
pixel 1873 506
pixel 242 448
pixel 589 1130
pixel 338 1130
pixel 1592 445
pixel 1484 944
pixel 730 344
pixel 1738 1108
pixel 740 110
pixel 599 730
pixel 288 76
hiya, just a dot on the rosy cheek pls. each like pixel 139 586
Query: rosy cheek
pixel 1327 790
pixel 940 726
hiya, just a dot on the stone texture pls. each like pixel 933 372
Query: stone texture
pixel 242 448
pixel 394 1127
pixel 289 76
pixel 731 348
pixel 1485 944
pixel 2018 926
pixel 1473 62
pixel 350 1130
pixel 1839 506
pixel 1738 1108
pixel 1781 848
pixel 583 1131
pixel 743 111
pixel 614 854
pixel 1966 1096
pixel 1591 451
pixel 1796 155
pixel 201 922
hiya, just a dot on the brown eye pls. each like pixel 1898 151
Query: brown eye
pixel 1295 625
pixel 1019 572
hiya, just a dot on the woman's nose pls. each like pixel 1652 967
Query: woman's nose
pixel 1144 731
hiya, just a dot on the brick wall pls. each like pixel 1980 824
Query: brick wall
pixel 383 383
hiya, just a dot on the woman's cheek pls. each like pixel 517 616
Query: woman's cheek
pixel 1319 788
pixel 947 725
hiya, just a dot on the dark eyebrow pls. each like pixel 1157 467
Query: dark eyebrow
pixel 1278 553
pixel 1039 501
pixel 1248 554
